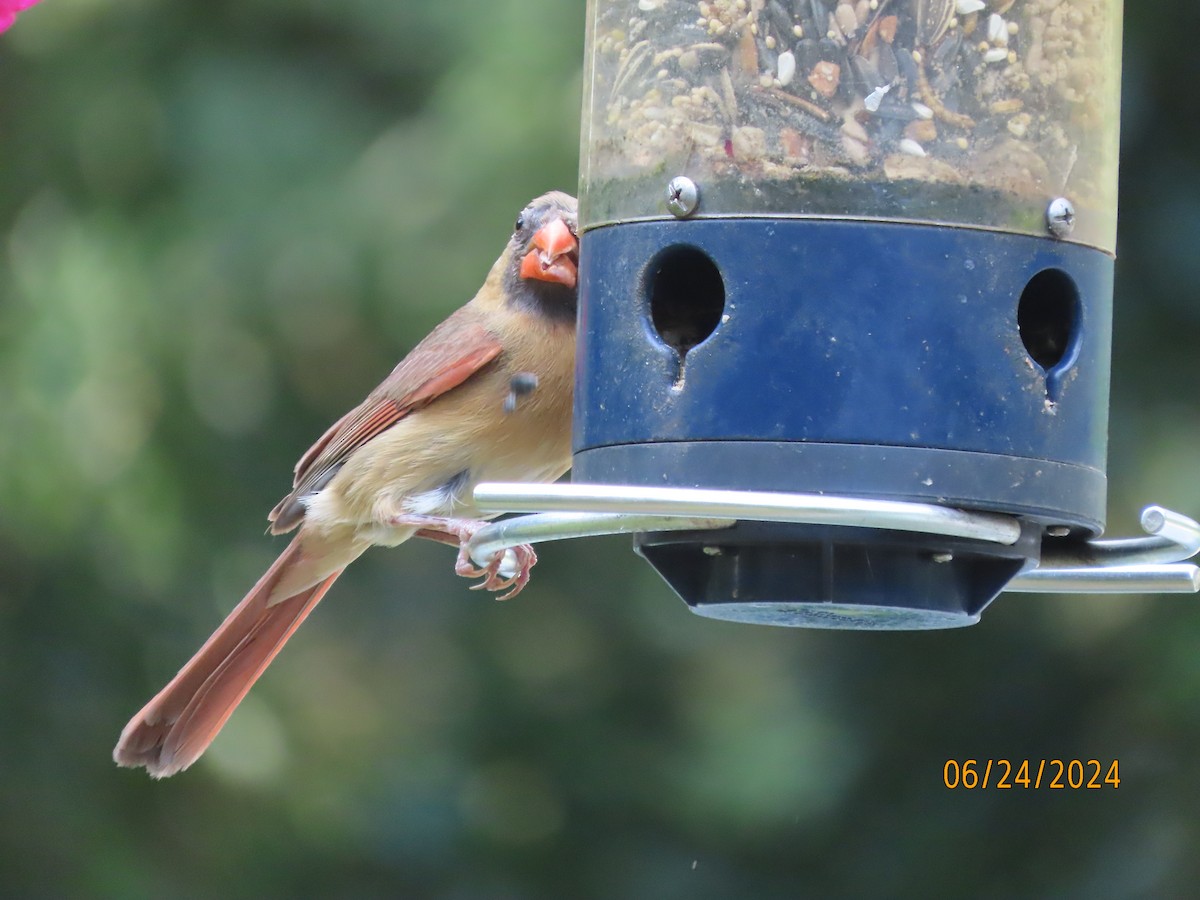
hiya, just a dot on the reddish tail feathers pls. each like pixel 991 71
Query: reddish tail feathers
pixel 176 727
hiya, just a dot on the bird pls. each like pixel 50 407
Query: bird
pixel 486 396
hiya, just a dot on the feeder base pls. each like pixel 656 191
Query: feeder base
pixel 828 577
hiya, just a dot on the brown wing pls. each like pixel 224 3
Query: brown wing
pixel 452 353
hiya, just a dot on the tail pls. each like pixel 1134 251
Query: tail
pixel 176 727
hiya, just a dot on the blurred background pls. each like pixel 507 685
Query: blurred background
pixel 221 224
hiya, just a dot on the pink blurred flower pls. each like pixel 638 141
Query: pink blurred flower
pixel 9 10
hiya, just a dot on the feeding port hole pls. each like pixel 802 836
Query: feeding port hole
pixel 686 295
pixel 1048 317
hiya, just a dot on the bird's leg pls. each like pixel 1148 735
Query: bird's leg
pixel 458 532
pixel 459 538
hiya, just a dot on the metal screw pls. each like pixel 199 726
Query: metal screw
pixel 1058 530
pixel 682 196
pixel 1060 217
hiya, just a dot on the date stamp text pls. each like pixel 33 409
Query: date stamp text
pixel 1031 774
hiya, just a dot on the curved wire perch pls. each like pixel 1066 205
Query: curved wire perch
pixel 1172 526
pixel 761 506
pixel 1171 537
pixel 1120 565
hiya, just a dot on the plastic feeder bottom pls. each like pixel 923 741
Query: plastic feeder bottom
pixel 845 578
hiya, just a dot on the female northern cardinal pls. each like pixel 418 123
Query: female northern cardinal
pixel 485 397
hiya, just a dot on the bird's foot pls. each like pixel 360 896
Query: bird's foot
pixel 507 569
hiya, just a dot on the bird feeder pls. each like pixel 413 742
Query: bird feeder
pixel 845 307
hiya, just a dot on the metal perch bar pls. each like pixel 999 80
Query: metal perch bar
pixel 1116 565
pixel 1123 565
pixel 1135 579
pixel 554 526
pixel 761 506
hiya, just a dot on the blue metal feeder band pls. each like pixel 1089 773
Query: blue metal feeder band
pixel 890 360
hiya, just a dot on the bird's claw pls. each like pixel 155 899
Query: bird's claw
pixel 507 569
pixel 524 558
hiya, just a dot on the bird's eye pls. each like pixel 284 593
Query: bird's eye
pixel 520 222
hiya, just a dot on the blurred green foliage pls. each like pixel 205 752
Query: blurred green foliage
pixel 222 223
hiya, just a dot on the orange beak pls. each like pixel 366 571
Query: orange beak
pixel 555 257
